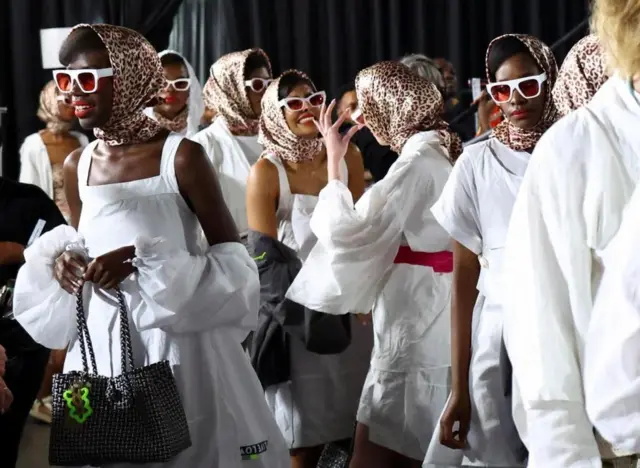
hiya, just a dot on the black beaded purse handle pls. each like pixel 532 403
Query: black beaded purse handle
pixel 126 350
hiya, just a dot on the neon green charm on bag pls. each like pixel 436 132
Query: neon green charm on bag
pixel 77 399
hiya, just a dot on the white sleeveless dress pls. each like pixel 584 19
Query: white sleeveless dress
pixel 475 207
pixel 189 304
pixel 319 404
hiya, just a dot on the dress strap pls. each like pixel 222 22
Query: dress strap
pixel 285 201
pixel 168 161
pixel 84 164
pixel 344 172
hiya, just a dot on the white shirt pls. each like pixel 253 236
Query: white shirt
pixel 612 353
pixel 35 165
pixel 580 178
pixel 232 158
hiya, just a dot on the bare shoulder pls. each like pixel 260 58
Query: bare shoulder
pixel 264 174
pixel 71 162
pixel 190 156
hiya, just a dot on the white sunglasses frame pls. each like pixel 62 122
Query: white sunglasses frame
pixel 357 116
pixel 515 85
pixel 285 102
pixel 172 84
pixel 266 82
pixel 73 74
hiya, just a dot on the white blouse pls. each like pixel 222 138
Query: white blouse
pixel 570 205
pixel 35 165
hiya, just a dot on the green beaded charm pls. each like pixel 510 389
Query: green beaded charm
pixel 77 398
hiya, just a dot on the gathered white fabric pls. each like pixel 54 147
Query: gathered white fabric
pixel 195 104
pixel 570 205
pixel 35 165
pixel 474 208
pixel 232 157
pixel 351 270
pixel 189 304
pixel 48 316
pixel 612 349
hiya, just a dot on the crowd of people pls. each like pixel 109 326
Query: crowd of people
pixel 320 273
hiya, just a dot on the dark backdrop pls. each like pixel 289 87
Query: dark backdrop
pixel 22 76
pixel 333 39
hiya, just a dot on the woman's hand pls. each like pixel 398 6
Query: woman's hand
pixel 68 271
pixel 3 361
pixel 335 143
pixel 111 269
pixel 6 397
pixel 458 410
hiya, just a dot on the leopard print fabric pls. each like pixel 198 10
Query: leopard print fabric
pixel 397 104
pixel 581 75
pixel 49 110
pixel 137 79
pixel 519 139
pixel 275 134
pixel 226 93
pixel 177 124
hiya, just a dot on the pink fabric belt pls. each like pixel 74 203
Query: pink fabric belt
pixel 441 262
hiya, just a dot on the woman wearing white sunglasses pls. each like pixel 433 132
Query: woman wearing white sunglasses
pixel 233 92
pixel 475 207
pixel 181 105
pixel 318 404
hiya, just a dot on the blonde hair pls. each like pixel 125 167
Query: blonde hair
pixel 617 24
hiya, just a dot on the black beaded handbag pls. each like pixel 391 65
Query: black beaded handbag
pixel 337 454
pixel 136 417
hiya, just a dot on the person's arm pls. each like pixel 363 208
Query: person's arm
pixel 355 167
pixel 71 185
pixel 357 243
pixel 262 198
pixel 199 185
pixel 457 212
pixel 466 271
pixel 547 287
pixel 196 292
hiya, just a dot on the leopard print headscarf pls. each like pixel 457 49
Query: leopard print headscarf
pixel 137 79
pixel 516 138
pixel 581 75
pixel 397 104
pixel 177 124
pixel 226 93
pixel 275 134
pixel 49 112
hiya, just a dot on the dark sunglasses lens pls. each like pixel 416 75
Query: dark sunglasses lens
pixel 181 85
pixel 87 82
pixel 63 80
pixel 295 104
pixel 257 85
pixel 529 88
pixel 316 100
pixel 501 93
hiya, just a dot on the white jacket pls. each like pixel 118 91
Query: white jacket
pixel 35 166
pixel 570 205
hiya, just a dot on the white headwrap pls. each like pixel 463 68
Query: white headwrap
pixel 195 104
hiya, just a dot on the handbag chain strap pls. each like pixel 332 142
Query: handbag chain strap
pixel 126 350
